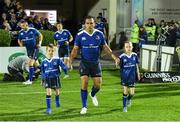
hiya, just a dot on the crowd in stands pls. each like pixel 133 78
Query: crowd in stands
pixel 11 12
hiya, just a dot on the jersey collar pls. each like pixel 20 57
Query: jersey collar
pixel 88 33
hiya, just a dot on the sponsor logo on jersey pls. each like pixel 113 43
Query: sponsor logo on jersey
pixel 45 65
pixel 83 38
pixel 97 37
pixel 31 32
pixel 57 35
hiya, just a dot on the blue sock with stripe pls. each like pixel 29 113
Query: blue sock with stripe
pixel 94 91
pixel 124 99
pixel 31 72
pixel 48 101
pixel 57 100
pixel 84 97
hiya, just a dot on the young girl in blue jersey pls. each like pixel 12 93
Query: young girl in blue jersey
pixel 129 72
pixel 50 76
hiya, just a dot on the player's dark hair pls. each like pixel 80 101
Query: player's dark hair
pixel 49 46
pixel 88 17
pixel 126 42
pixel 58 23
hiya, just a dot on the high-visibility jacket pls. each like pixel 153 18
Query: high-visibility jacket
pixel 151 30
pixel 134 37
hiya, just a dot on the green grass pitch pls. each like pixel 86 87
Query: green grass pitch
pixel 152 102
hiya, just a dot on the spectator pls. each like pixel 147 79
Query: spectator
pixel 30 21
pixel 13 22
pixel 6 26
pixel 20 14
pixel 7 6
pixel 151 30
pixel 37 23
pixel 3 18
pixel 172 37
pixel 142 36
pixel 47 25
pixel 135 36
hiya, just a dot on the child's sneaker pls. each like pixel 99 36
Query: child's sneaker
pixel 83 110
pixel 124 109
pixel 128 103
pixel 48 111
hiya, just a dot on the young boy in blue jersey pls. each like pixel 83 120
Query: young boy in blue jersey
pixel 62 38
pixel 89 41
pixel 129 72
pixel 50 76
pixel 27 37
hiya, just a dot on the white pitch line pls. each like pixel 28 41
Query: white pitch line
pixel 29 93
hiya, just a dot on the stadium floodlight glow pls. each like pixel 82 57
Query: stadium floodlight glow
pixel 50 14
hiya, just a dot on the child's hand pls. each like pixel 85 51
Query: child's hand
pixel 139 76
pixel 117 61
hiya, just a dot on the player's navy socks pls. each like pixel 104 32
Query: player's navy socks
pixel 129 97
pixel 124 100
pixel 57 101
pixel 94 91
pixel 31 72
pixel 48 101
pixel 83 97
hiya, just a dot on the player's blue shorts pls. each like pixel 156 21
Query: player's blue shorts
pixel 33 53
pixel 127 83
pixel 53 83
pixel 92 69
pixel 63 52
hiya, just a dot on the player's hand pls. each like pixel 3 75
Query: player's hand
pixel 66 43
pixel 38 46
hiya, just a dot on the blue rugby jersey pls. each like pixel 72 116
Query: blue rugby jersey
pixel 61 37
pixel 128 67
pixel 90 44
pixel 50 67
pixel 29 37
pixel 100 26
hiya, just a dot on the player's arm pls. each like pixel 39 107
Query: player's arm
pixel 73 54
pixel 71 38
pixel 75 49
pixel 63 66
pixel 20 43
pixel 138 73
pixel 55 43
pixel 109 52
pixel 40 37
pixel 42 74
